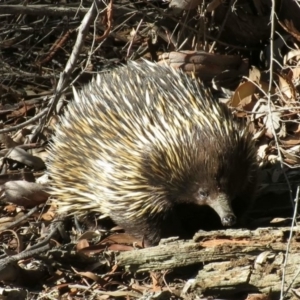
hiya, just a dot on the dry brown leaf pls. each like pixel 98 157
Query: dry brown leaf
pixel 116 229
pixel 24 193
pixel 243 94
pixel 290 157
pixel 94 249
pixel 10 208
pixel 89 235
pixel 284 87
pixel 82 244
pixel 277 220
pixel 25 158
pixel 291 140
pixel 91 276
pixel 50 214
pixel 121 238
pixel 295 73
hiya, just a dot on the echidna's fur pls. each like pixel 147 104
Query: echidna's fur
pixel 140 140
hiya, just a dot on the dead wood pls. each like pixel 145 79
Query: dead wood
pixel 54 10
pixel 233 260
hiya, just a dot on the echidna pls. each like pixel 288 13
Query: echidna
pixel 143 139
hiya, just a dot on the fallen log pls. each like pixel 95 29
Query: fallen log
pixel 229 260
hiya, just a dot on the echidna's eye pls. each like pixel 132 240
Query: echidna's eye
pixel 202 193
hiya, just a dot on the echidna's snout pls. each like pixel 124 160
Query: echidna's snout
pixel 228 220
pixel 221 205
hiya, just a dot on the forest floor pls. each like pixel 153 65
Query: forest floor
pixel 246 51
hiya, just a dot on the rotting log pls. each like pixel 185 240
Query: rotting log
pixel 229 260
